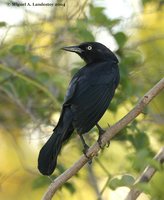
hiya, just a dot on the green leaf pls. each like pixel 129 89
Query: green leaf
pixel 70 187
pixel 121 38
pixel 85 34
pixel 126 180
pixel 146 1
pixel 3 24
pixel 141 140
pixel 40 181
pixel 43 77
pixel 97 15
pixel 18 49
pixel 61 168
pixel 139 156
pixel 35 59
pixel 113 22
pixel 98 18
pixel 156 164
pixel 82 31
pixel 96 11
pixel 114 183
pixel 144 187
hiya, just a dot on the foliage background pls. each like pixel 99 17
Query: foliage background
pixel 34 75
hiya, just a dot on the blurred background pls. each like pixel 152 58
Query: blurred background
pixel 34 76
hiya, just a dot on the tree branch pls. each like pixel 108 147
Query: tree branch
pixel 146 175
pixel 107 136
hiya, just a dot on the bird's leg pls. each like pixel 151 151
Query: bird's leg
pixel 86 147
pixel 101 132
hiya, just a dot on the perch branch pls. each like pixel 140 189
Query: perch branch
pixel 146 175
pixel 107 136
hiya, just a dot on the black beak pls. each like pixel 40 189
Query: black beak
pixel 75 49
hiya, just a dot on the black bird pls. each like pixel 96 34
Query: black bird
pixel 88 96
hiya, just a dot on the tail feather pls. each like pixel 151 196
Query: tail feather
pixel 47 159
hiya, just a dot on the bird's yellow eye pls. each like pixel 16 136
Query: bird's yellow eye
pixel 89 48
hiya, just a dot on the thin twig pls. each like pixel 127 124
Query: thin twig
pixel 108 135
pixel 108 174
pixel 32 82
pixel 93 181
pixel 146 175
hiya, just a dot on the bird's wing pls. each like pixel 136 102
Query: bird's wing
pixel 72 87
pixel 91 98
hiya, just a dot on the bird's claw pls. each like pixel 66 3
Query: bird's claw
pixel 108 144
pixel 100 142
pixel 101 132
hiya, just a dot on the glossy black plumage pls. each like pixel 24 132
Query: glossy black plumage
pixel 88 96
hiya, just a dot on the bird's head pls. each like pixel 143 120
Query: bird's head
pixel 92 52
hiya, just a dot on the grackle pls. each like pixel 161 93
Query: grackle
pixel 88 97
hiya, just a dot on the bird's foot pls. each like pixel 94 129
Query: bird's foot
pixel 85 150
pixel 108 143
pixel 100 143
pixel 101 132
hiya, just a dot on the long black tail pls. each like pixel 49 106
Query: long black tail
pixel 47 159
